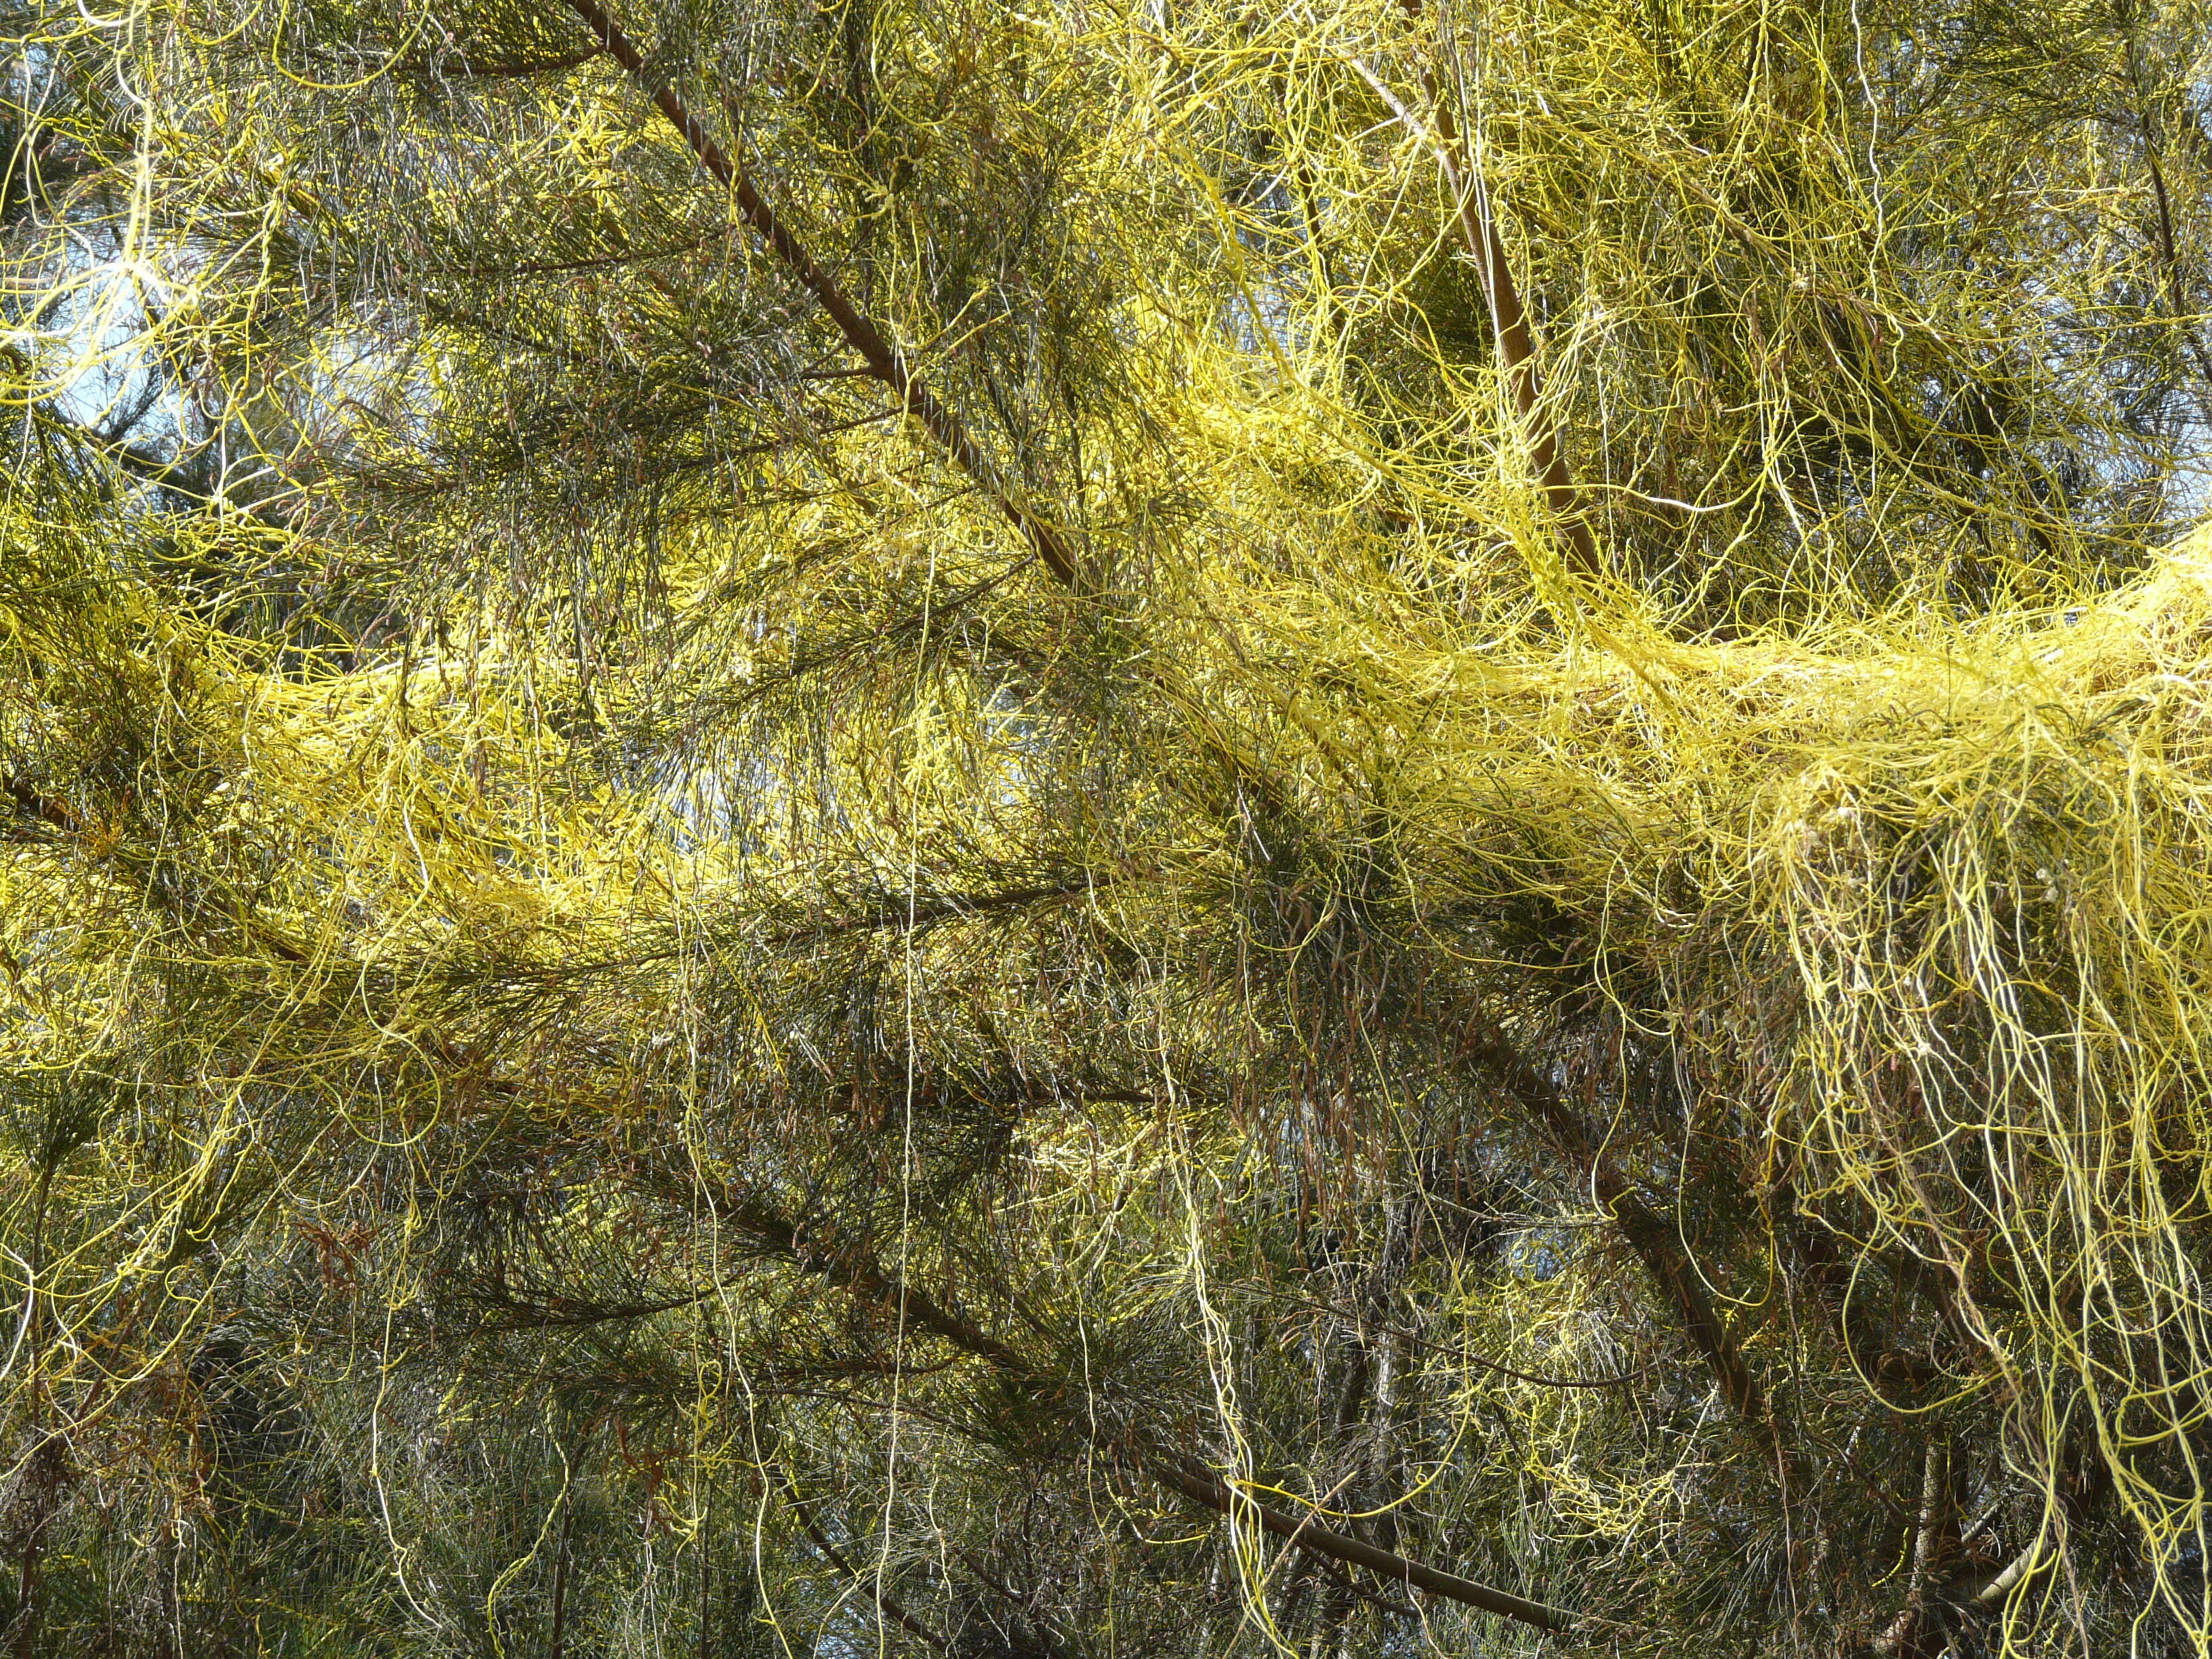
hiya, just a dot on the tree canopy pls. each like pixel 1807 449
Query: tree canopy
pixel 1174 828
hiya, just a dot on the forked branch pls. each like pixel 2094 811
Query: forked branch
pixel 1509 318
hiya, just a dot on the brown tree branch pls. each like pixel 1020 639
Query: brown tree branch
pixel 857 1274
pixel 1202 1485
pixel 1509 317
pixel 2177 298
pixel 1648 1234
pixel 41 809
pixel 884 362
pixel 887 1605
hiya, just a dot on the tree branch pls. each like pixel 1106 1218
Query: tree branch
pixel 1203 1487
pixel 1648 1234
pixel 887 1605
pixel 1902 1638
pixel 1180 1475
pixel 1509 319
pixel 41 809
pixel 2029 1560
pixel 884 362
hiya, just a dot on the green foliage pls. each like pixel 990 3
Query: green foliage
pixel 836 827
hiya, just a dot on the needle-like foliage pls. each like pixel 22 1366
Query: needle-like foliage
pixel 865 826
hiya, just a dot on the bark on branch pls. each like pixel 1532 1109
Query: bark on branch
pixel 1509 319
pixel 1202 1487
pixel 863 1277
pixel 885 362
pixel 1649 1235
pixel 887 1605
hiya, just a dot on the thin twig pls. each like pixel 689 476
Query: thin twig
pixel 1203 1487
pixel 885 362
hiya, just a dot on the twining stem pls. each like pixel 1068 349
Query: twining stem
pixel 1509 317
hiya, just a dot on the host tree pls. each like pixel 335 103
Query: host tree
pixel 1121 829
